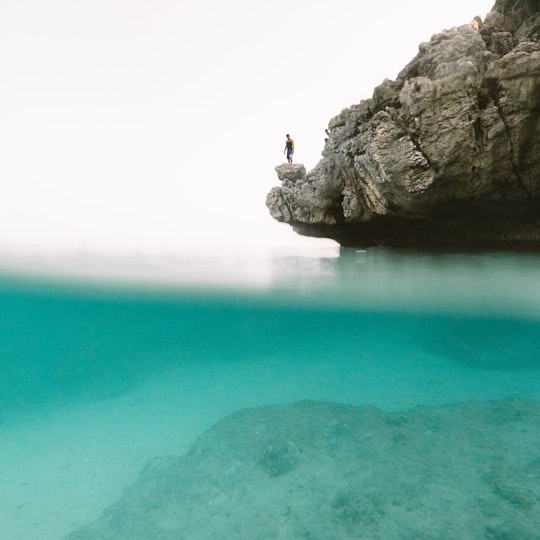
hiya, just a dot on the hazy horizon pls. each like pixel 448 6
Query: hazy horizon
pixel 135 127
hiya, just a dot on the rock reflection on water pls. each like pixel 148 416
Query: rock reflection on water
pixel 497 283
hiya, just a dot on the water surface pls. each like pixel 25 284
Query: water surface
pixel 106 364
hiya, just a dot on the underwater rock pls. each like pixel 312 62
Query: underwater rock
pixel 325 470
pixel 447 154
pixel 279 458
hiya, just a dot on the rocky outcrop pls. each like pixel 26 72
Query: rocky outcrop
pixel 326 470
pixel 446 155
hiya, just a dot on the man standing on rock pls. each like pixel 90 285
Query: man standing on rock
pixel 289 149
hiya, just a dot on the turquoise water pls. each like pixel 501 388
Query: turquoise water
pixel 124 370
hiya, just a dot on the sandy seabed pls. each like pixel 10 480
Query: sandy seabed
pixel 61 468
pixel 321 470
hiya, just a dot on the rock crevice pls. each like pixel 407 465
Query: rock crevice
pixel 447 154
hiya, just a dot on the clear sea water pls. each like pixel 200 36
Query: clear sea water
pixel 104 369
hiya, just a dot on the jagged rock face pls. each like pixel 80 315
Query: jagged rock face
pixel 448 154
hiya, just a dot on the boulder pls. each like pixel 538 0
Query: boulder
pixel 317 470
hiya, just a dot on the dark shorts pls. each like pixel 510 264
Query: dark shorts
pixel 289 153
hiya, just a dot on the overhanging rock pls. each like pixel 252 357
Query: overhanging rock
pixel 446 155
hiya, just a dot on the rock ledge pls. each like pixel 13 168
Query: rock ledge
pixel 446 155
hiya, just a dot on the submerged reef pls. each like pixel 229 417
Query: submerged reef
pixel 325 470
pixel 448 154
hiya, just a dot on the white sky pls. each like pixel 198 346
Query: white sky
pixel 132 125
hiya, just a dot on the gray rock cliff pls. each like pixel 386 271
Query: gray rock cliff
pixel 448 154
